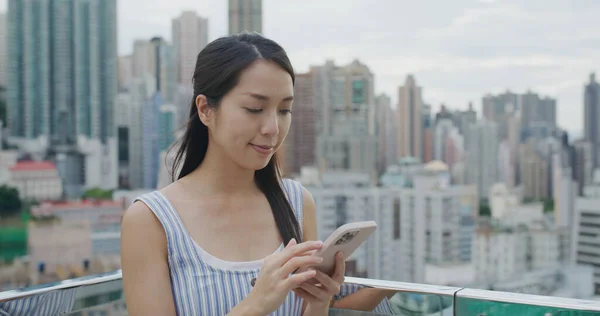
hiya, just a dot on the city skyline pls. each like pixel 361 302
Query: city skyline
pixel 457 53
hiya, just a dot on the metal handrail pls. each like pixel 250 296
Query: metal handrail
pixel 60 285
pixel 455 292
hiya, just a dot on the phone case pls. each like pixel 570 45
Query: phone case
pixel 346 239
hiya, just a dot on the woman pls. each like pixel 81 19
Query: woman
pixel 196 247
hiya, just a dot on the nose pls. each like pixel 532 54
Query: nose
pixel 270 126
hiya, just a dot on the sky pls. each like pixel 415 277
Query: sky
pixel 457 50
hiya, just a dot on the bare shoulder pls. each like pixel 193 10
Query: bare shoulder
pixel 144 262
pixel 309 210
pixel 139 215
pixel 308 202
pixel 140 225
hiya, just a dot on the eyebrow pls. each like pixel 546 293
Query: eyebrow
pixel 266 98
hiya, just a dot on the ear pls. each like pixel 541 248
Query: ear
pixel 205 113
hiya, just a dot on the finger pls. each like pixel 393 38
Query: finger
pixel 296 250
pixel 340 268
pixel 291 243
pixel 294 280
pixel 305 295
pixel 295 264
pixel 315 291
pixel 327 282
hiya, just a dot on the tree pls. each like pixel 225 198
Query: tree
pixel 10 202
pixel 485 210
pixel 548 205
pixel 98 194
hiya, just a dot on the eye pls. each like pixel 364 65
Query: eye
pixel 285 111
pixel 252 110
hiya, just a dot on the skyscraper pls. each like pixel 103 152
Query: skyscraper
pixel 302 137
pixel 409 119
pixel 591 118
pixel 498 108
pixel 3 49
pixel 537 110
pixel 386 133
pixel 482 156
pixel 245 15
pixel 63 70
pixel 62 80
pixel 347 137
pixel 125 72
pixel 190 35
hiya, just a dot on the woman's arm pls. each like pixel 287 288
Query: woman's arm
pixel 146 277
pixel 364 299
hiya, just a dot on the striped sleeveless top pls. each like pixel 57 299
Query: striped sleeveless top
pixel 203 284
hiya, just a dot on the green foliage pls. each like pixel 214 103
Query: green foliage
pixel 485 210
pixel 98 194
pixel 13 242
pixel 548 205
pixel 10 203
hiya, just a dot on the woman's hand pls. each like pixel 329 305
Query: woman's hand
pixel 276 280
pixel 318 293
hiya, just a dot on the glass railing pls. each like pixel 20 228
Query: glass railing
pixel 103 295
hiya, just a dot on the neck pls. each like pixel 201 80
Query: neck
pixel 220 175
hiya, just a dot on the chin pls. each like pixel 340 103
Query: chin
pixel 256 164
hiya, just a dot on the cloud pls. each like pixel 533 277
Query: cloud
pixel 458 50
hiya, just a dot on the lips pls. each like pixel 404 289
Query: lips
pixel 262 149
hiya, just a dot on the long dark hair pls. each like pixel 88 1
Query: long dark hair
pixel 218 69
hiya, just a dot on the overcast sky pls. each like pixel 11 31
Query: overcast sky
pixel 458 50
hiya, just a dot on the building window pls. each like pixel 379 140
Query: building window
pixel 341 210
pixel 397 219
pixel 358 91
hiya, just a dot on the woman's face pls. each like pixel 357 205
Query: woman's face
pixel 254 118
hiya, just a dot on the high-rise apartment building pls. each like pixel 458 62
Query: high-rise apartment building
pixel 190 35
pixel 586 230
pixel 582 166
pixel 498 108
pixel 535 109
pixel 409 111
pixel 63 69
pixel 482 156
pixel 427 126
pixel 591 117
pixel 300 144
pixel 125 72
pixel 419 225
pixel 347 137
pixel 3 49
pixel 534 171
pixel 157 59
pixel 63 84
pixel 462 119
pixel 245 15
pixel 448 143
pixel 386 133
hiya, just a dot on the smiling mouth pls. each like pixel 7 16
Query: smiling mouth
pixel 265 150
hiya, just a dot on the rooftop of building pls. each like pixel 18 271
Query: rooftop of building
pixel 436 166
pixel 33 166
pixel 80 204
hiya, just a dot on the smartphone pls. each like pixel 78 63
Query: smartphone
pixel 346 239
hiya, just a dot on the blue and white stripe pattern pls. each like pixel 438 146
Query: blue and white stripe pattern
pixel 205 285
pixel 54 303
